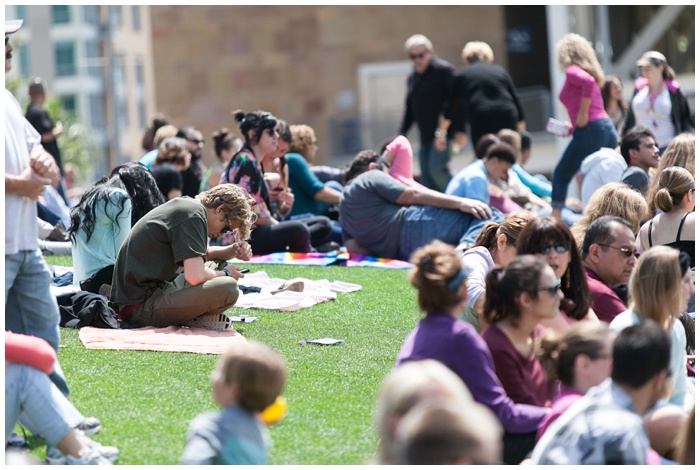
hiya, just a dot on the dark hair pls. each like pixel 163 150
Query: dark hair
pixel 223 140
pixel 504 284
pixel 525 140
pixel 284 131
pixel 504 152
pixel 632 138
pixel 149 135
pixel 256 121
pixel 436 276
pixel 685 319
pixel 135 179
pixel 545 230
pixel 639 353
pixel 484 144
pixel 605 92
pixel 600 232
pixel 360 164
pixel 511 227
pixel 558 354
pixel 36 87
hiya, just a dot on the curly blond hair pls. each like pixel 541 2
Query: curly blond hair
pixel 616 199
pixel 303 139
pixel 477 51
pixel 574 49
pixel 237 206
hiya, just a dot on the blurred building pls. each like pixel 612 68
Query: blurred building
pixel 340 69
pixel 97 60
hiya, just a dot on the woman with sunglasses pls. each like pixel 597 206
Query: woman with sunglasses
pixel 518 297
pixel 675 225
pixel 660 287
pixel 658 102
pixel 270 235
pixel 551 240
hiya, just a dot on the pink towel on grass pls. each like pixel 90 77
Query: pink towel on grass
pixel 171 339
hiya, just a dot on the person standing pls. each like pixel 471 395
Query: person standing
pixel 429 91
pixel 192 175
pixel 591 127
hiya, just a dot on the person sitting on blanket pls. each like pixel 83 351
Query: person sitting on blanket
pixel 383 217
pixel 103 218
pixel 160 275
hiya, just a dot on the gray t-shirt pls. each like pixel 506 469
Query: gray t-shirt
pixel 156 247
pixel 636 178
pixel 370 215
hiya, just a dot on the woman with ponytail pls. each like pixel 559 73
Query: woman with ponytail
pixel 579 360
pixel 440 280
pixel 675 225
pixel 270 235
pixel 518 297
pixel 495 246
pixel 551 240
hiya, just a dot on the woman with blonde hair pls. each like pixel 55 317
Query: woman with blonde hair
pixel 440 279
pixel 680 152
pixel 675 225
pixel 404 388
pixel 591 127
pixel 495 246
pixel 484 95
pixel 616 199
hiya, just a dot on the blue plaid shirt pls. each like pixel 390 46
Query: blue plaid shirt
pixel 601 428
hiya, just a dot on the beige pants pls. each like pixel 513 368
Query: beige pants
pixel 177 302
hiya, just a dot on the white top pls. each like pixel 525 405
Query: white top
pixel 599 168
pixel 480 261
pixel 21 139
pixel 656 117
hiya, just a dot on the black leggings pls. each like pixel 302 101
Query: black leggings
pixel 291 235
pixel 94 282
pixel 516 447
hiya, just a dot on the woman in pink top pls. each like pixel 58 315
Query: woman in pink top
pixel 518 297
pixel 399 156
pixel 591 127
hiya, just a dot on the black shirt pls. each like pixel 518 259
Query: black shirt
pixel 427 98
pixel 39 118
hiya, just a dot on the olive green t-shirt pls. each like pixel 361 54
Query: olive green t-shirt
pixel 156 247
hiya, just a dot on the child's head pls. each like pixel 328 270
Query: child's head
pixel 249 375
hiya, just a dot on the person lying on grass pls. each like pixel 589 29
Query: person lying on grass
pixel 160 275
pixel 248 379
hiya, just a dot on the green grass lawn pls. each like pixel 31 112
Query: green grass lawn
pixel 146 400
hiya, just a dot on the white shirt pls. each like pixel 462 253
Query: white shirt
pixel 656 117
pixel 599 168
pixel 21 139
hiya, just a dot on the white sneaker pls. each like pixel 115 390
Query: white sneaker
pixel 212 321
pixel 92 457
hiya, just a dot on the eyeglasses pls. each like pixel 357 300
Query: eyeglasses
pixel 628 252
pixel 197 141
pixel 418 56
pixel 228 228
pixel 559 247
pixel 553 289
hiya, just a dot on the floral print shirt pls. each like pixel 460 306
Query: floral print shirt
pixel 246 171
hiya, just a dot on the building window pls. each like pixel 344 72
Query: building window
pixel 64 54
pixel 60 14
pixel 115 15
pixel 69 103
pixel 91 14
pixel 140 93
pixel 136 17
pixel 94 59
pixel 24 62
pixel 122 117
pixel 97 112
pixel 21 11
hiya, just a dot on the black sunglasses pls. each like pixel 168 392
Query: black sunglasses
pixel 197 141
pixel 553 289
pixel 559 247
pixel 624 250
pixel 417 56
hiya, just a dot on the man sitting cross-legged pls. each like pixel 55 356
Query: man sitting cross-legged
pixel 160 276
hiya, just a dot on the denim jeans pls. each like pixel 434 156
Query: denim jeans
pixel 177 302
pixel 43 408
pixel 434 172
pixel 30 307
pixel 424 224
pixel 585 141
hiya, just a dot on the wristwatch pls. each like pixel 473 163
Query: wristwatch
pixel 226 272
pixel 440 133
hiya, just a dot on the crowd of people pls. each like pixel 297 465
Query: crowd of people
pixel 555 330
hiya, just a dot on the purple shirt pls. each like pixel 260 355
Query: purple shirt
pixel 580 84
pixel 456 344
pixel 604 301
pixel 523 378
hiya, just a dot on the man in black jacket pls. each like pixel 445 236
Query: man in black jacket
pixel 429 92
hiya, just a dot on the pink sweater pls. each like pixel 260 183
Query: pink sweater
pixel 29 350
pixel 402 165
pixel 580 84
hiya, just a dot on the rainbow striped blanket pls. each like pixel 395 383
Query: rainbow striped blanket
pixel 340 258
